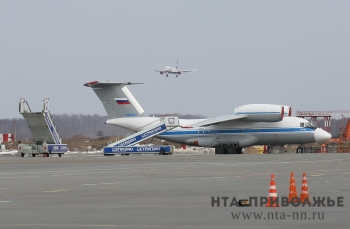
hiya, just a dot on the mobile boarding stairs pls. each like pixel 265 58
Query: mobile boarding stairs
pixel 126 146
pixel 45 134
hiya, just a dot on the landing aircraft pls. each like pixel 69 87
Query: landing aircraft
pixel 253 124
pixel 171 70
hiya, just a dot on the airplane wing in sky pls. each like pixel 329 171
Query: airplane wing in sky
pixel 188 70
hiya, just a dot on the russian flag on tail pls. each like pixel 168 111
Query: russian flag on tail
pixel 122 101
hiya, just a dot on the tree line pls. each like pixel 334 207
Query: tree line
pixel 68 125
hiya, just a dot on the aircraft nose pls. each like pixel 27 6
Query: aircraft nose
pixel 321 135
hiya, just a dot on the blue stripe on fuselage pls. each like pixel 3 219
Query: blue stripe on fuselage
pixel 236 131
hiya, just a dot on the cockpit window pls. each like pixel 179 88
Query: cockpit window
pixel 309 125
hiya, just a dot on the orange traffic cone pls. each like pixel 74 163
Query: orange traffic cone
pixel 272 193
pixel 304 190
pixel 292 189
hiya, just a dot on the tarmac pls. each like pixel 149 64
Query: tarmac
pixel 93 191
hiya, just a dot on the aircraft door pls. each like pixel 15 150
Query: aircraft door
pixel 200 132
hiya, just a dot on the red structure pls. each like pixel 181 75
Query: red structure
pixel 326 115
pixel 7 138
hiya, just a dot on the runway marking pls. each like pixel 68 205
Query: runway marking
pixel 317 175
pixel 64 171
pixel 208 178
pixel 89 184
pixel 346 173
pixel 113 183
pixel 56 191
pixel 5 201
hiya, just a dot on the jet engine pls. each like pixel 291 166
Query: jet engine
pixel 261 112
pixel 179 73
pixel 161 73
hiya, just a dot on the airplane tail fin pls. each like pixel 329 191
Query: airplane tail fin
pixel 177 63
pixel 117 99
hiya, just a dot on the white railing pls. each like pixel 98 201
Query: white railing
pixel 54 126
pixel 25 106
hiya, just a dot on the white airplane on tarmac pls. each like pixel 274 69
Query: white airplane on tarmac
pixel 171 70
pixel 253 124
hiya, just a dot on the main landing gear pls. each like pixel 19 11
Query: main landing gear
pixel 228 149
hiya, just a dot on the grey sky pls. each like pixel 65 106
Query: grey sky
pixel 284 52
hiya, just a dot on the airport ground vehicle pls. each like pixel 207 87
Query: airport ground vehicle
pixel 126 146
pixel 126 150
pixel 46 137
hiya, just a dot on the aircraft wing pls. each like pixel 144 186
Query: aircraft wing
pixel 188 70
pixel 218 120
pixel 158 70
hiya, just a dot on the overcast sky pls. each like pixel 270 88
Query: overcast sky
pixel 294 53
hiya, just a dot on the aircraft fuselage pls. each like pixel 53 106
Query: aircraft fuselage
pixel 171 70
pixel 241 134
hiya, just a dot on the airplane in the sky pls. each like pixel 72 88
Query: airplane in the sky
pixel 171 70
pixel 253 124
